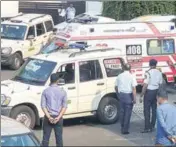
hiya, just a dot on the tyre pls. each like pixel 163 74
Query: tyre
pixel 25 115
pixel 16 61
pixel 108 111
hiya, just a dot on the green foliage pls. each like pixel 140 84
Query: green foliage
pixel 125 10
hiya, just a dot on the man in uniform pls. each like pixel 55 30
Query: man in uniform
pixel 125 87
pixel 152 82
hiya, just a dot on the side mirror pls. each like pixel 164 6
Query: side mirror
pixel 61 82
pixel 55 30
pixel 30 37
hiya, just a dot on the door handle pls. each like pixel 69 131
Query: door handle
pixel 71 88
pixel 100 84
pixel 44 36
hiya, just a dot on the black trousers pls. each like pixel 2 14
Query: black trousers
pixel 126 107
pixel 58 130
pixel 150 102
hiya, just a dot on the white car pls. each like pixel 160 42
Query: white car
pixel 14 133
pixel 23 36
pixel 89 82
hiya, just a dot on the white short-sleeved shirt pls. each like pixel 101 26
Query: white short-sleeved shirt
pixel 70 12
pixel 125 82
pixel 153 78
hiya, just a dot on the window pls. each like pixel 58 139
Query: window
pixel 35 71
pixel 90 70
pixel 31 31
pixel 40 29
pixel 160 47
pixel 113 67
pixel 15 32
pixel 67 72
pixel 49 26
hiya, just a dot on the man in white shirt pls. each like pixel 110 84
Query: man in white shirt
pixel 125 87
pixel 152 82
pixel 70 12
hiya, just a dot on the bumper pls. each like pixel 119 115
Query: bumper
pixel 6 111
pixel 6 60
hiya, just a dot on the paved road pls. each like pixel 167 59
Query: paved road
pixel 88 131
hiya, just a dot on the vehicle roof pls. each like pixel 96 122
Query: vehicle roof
pixel 12 127
pixel 155 18
pixel 91 53
pixel 24 19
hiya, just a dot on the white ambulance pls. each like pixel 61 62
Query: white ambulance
pixel 140 42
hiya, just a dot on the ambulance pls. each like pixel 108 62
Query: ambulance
pixel 139 41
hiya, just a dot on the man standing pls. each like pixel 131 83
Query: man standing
pixel 126 90
pixel 70 12
pixel 53 104
pixel 166 121
pixel 153 79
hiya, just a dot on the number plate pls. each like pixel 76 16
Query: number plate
pixel 133 49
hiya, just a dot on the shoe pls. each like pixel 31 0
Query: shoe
pixel 125 133
pixel 146 131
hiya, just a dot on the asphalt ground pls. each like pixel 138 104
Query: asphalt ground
pixel 89 132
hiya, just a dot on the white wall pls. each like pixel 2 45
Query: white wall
pixel 9 8
pixel 94 6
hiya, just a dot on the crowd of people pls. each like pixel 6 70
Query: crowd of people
pixel 54 105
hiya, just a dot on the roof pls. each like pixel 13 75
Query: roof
pixel 67 55
pixel 12 127
pixel 155 18
pixel 27 18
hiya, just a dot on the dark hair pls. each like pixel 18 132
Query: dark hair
pixel 54 78
pixel 162 92
pixel 152 62
pixel 127 67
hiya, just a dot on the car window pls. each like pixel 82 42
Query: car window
pixel 19 140
pixel 90 70
pixel 49 26
pixel 40 29
pixel 160 47
pixel 113 67
pixel 31 31
pixel 35 71
pixel 67 72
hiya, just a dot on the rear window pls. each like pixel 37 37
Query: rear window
pixel 160 47
pixel 49 26
pixel 113 67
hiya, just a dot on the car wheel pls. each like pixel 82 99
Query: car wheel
pixel 25 115
pixel 16 61
pixel 108 111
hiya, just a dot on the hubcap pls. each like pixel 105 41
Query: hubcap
pixel 24 118
pixel 110 111
pixel 17 62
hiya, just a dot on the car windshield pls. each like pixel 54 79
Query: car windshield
pixel 53 45
pixel 35 72
pixel 19 140
pixel 16 32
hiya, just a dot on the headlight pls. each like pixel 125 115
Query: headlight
pixel 6 50
pixel 5 100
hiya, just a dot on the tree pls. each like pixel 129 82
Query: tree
pixel 125 10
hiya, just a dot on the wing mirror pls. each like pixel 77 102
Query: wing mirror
pixel 61 82
pixel 30 37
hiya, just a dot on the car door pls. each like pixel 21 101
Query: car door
pixel 41 37
pixel 30 44
pixel 49 30
pixel 67 72
pixel 92 85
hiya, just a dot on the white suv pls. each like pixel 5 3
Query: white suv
pixel 89 82
pixel 23 36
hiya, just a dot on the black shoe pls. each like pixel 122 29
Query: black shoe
pixel 125 133
pixel 146 131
